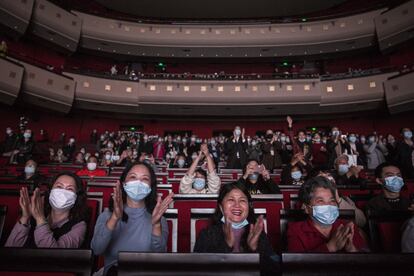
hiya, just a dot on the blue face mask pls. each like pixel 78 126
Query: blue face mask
pixel 325 214
pixel 394 183
pixel 199 183
pixel 408 134
pixel 296 175
pixel 343 169
pixel 137 190
pixel 236 225
pixel 352 139
pixel 253 177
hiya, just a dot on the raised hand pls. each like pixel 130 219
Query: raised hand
pixel 228 234
pixel 160 208
pixel 37 207
pixel 25 205
pixel 204 149
pixel 254 234
pixel 118 203
pixel 289 121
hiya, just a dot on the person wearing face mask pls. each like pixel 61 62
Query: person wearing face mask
pixel 9 143
pixel 257 179
pixel 145 146
pixel 24 148
pixel 294 172
pixel 346 175
pixel 94 136
pixel 271 151
pixel 55 220
pixel 318 150
pixel 335 146
pixel 135 219
pixel 197 181
pixel 299 145
pixel 159 149
pixel 254 150
pixel 31 175
pixel 375 151
pixel 215 150
pixel 287 148
pixel 192 147
pixel 389 177
pixel 70 148
pixel 323 232
pixel 106 159
pixel 356 149
pixel 391 145
pixel 91 169
pixel 236 148
pixel 404 153
pixel 179 162
pixel 235 229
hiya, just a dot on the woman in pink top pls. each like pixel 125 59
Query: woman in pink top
pixel 55 220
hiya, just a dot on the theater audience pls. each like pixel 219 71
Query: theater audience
pixel 404 153
pixel 70 148
pixel 295 172
pixel 318 151
pixel 198 181
pixel 24 148
pixel 180 162
pixel 375 151
pixel 235 228
pixel 236 149
pixel 9 143
pixel 323 231
pixel 79 159
pixel 335 145
pixel 389 177
pixel 135 220
pixel 55 220
pixel 91 169
pixel 346 175
pixel 31 175
pixel 344 202
pixel 271 151
pixel 257 179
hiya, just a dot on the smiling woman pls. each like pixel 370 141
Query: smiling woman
pixel 236 230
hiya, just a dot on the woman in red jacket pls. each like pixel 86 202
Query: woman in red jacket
pixel 322 231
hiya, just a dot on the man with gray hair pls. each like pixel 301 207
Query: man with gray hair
pixel 346 175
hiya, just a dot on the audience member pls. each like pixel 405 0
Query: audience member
pixel 323 231
pixel 135 220
pixel 55 220
pixel 194 181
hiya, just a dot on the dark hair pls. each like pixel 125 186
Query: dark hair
pixel 380 167
pixel 224 190
pixel 247 163
pixel 80 210
pixel 309 187
pixel 150 200
pixel 202 172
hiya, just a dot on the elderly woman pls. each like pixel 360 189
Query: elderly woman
pixel 56 220
pixel 194 181
pixel 235 228
pixel 323 231
pixel 134 222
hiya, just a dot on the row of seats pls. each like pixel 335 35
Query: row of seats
pixel 65 262
pixel 189 214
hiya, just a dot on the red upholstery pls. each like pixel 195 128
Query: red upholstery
pixel 107 191
pixel 390 236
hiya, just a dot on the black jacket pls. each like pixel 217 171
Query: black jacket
pixel 212 240
pixel 261 186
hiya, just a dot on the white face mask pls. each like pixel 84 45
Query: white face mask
pixel 108 157
pixel 62 199
pixel 91 166
pixel 29 170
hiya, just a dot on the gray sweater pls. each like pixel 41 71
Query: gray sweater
pixel 134 235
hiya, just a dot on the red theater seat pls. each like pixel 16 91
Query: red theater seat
pixel 386 230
